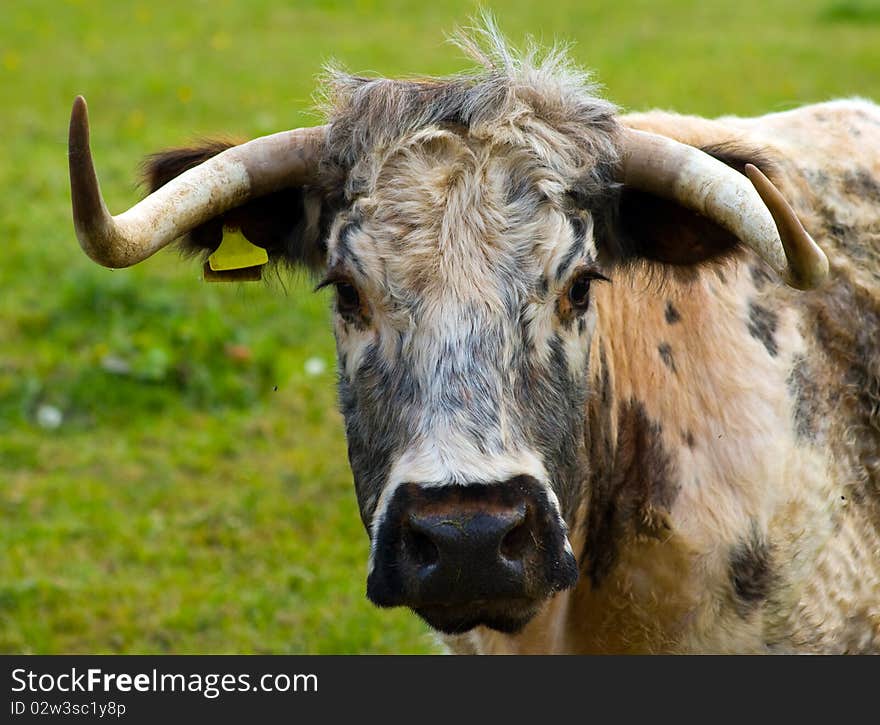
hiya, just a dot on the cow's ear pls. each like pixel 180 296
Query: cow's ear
pixel 289 224
pixel 637 225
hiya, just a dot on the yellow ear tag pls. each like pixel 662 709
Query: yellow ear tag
pixel 236 252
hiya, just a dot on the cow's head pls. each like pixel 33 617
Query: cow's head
pixel 462 223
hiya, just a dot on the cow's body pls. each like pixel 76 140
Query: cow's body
pixel 734 428
pixel 584 412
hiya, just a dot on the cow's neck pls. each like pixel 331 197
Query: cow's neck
pixel 687 438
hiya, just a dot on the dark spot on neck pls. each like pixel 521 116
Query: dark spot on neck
pixel 633 485
pixel 760 275
pixel 762 326
pixel 672 315
pixel 751 571
pixel 806 399
pixel 605 385
pixel 666 355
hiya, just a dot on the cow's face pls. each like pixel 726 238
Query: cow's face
pixel 463 320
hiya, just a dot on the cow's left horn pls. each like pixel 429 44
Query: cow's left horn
pixel 227 180
pixel 751 208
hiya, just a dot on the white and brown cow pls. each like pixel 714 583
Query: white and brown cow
pixel 590 406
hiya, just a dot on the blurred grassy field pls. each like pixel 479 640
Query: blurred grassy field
pixel 194 494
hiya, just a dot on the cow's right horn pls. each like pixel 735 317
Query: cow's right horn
pixel 751 208
pixel 225 181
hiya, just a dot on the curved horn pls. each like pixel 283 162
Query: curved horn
pixel 227 180
pixel 751 208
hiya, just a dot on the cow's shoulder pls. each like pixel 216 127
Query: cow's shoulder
pixel 823 354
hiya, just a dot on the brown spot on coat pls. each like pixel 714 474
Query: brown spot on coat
pixel 751 571
pixel 806 399
pixel 857 241
pixel 762 326
pixel 672 315
pixel 760 275
pixel 666 355
pixel 633 487
pixel 862 184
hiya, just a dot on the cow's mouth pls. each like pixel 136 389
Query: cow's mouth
pixel 508 617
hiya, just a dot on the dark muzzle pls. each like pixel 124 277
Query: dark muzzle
pixel 465 555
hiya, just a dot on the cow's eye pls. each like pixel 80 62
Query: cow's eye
pixel 348 300
pixel 579 292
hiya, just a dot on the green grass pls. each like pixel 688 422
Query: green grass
pixel 196 496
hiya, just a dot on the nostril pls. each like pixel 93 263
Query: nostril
pixel 421 549
pixel 516 542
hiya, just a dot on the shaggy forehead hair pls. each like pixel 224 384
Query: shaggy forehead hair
pixel 461 214
pixel 533 101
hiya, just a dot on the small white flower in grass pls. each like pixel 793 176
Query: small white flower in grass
pixel 115 365
pixel 49 417
pixel 315 366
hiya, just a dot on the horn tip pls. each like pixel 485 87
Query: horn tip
pixel 753 172
pixel 80 108
pixel 813 277
pixel 79 126
pixel 808 265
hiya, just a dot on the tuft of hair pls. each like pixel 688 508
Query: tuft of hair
pixel 536 100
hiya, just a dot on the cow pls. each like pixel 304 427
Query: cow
pixel 610 383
